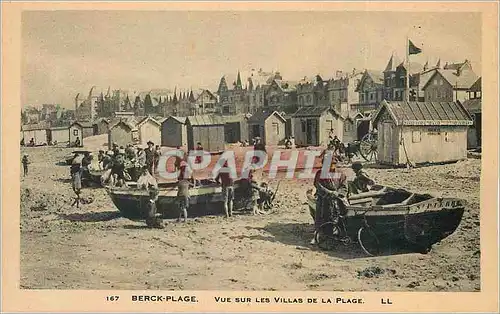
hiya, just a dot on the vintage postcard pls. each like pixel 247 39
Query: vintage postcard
pixel 250 157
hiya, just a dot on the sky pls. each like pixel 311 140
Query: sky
pixel 68 52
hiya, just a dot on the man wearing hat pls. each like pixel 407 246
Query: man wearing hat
pixel 361 181
pixel 25 163
pixel 326 207
pixel 150 156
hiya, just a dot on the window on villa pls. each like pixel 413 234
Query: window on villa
pixel 75 132
pixel 303 126
pixel 435 81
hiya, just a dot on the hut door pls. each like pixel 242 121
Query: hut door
pixel 387 142
pixel 308 132
pixel 256 130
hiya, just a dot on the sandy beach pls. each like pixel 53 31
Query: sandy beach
pixel 93 247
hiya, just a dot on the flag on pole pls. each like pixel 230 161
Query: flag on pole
pixel 412 49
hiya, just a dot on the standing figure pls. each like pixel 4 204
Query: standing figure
pixel 334 181
pixel 115 149
pixel 227 183
pixel 183 185
pixel 76 176
pixel 32 142
pixel 100 158
pixel 147 182
pixel 25 161
pixel 141 157
pixel 157 156
pixel 77 142
pixel 150 156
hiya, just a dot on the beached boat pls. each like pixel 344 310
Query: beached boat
pixel 206 198
pixel 387 214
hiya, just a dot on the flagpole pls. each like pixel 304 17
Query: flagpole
pixel 407 93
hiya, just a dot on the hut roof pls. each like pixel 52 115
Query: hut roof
pixel 84 124
pixel 234 118
pixel 54 128
pixel 36 126
pixel 262 116
pixel 202 120
pixel 181 120
pixel 312 111
pixel 425 113
pixel 148 118
pixel 127 123
pixel 473 105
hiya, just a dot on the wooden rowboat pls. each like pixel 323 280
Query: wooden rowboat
pixel 205 199
pixel 396 214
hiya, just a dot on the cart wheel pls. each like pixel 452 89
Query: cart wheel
pixel 368 241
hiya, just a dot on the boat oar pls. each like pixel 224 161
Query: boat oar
pixel 275 192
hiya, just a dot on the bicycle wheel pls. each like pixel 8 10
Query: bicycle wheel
pixel 368 241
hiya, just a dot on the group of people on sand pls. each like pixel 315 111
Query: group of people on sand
pixel 185 181
pixel 120 161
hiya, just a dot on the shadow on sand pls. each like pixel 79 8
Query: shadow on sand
pixel 92 216
pixel 86 184
pixel 300 234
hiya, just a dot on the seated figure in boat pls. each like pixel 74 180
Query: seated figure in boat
pixel 328 207
pixel 146 181
pixel 118 172
pixel 362 181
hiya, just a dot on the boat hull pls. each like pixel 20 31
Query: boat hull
pixel 133 204
pixel 423 223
